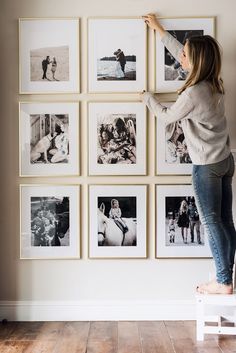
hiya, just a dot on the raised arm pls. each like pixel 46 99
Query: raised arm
pixel 152 22
pixel 170 42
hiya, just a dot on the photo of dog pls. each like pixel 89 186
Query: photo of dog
pixel 42 147
pixel 49 138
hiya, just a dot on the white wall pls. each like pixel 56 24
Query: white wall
pixel 96 281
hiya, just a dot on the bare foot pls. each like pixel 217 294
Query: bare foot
pixel 214 287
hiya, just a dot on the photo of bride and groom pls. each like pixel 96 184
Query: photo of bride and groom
pixel 117 67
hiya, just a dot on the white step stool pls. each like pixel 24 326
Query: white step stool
pixel 215 308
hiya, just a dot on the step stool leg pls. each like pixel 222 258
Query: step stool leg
pixel 200 320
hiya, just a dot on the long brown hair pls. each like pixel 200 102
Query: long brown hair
pixel 205 60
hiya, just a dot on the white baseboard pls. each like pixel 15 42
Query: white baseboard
pixel 97 310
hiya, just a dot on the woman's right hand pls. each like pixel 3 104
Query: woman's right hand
pixel 152 22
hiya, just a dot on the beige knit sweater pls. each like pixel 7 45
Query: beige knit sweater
pixel 202 116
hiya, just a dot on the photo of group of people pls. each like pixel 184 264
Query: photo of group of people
pixel 49 138
pixel 50 221
pixel 116 135
pixel 183 224
pixel 179 231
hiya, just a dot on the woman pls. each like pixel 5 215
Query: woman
pixel 183 220
pixel 176 148
pixel 61 151
pixel 54 67
pixel 200 107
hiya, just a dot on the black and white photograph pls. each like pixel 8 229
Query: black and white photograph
pixel 117 216
pixel 120 132
pixel 50 219
pixel 175 145
pixel 170 76
pixel 173 69
pixel 118 66
pixel 49 55
pixel 183 225
pixel 49 139
pixel 49 64
pixel 117 55
pixel 172 156
pixel 117 221
pixel 116 139
pixel 179 231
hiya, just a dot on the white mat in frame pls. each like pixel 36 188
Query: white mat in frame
pixel 106 240
pixel 49 115
pixel 181 27
pixel 44 39
pixel 49 221
pixel 105 37
pixel 168 202
pixel 172 156
pixel 130 159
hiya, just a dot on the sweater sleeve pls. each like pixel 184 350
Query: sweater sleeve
pixel 173 45
pixel 178 111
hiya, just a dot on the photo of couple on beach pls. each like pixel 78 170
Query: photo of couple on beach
pixel 117 67
pixel 117 55
pixel 49 64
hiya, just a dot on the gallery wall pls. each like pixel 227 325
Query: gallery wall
pixel 90 288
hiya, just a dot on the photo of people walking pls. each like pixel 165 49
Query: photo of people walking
pixel 183 226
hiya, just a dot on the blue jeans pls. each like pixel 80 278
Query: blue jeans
pixel 212 185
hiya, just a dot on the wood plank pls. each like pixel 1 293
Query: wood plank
pixel 6 330
pixel 227 343
pixel 154 337
pixel 15 346
pixel 42 346
pixel 110 337
pixel 74 338
pixel 183 336
pixel 50 330
pixel 128 338
pixel 24 331
pixel 102 337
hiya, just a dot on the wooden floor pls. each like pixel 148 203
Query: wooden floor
pixel 110 337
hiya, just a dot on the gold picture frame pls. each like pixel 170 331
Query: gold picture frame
pixel 107 112
pixel 166 76
pixel 50 221
pixel 105 83
pixel 169 161
pixel 170 242
pixel 40 40
pixel 100 245
pixel 49 139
